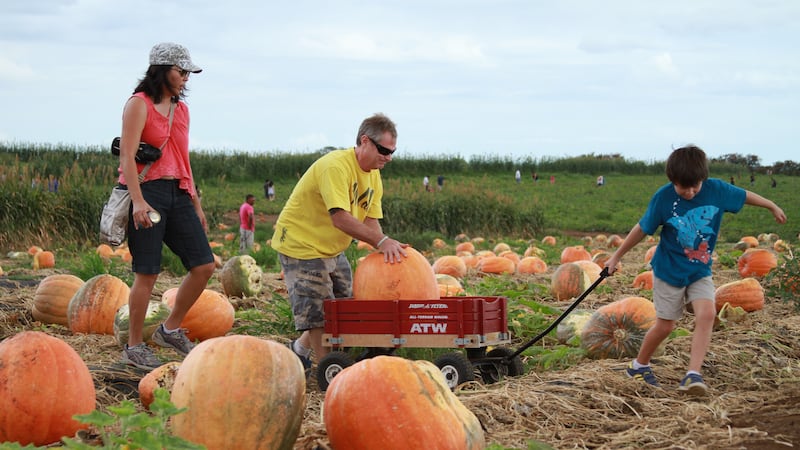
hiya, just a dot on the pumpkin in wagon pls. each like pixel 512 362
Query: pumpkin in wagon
pixel 412 278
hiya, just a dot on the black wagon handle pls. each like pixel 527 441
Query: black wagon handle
pixel 603 275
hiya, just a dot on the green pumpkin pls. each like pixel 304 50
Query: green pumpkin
pixel 157 312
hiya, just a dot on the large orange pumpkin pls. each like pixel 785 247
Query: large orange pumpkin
pixel 614 241
pixel 644 280
pixel 411 279
pixel 648 255
pixel 496 264
pixel 746 293
pixel 510 254
pixel 575 253
pixel 94 305
pixel 592 269
pixel 531 265
pixel 43 383
pixel 756 262
pixel 44 260
pixel 417 409
pixel 501 247
pixel 569 280
pixel 450 265
pixel 52 296
pixel 211 315
pixel 241 392
pixel 465 247
pixel 618 328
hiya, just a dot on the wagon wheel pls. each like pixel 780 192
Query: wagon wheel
pixel 494 371
pixel 456 369
pixel 330 366
pixel 476 353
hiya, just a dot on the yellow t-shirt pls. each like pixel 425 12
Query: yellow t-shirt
pixel 304 229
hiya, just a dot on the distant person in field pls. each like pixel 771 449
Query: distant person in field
pixel 600 181
pixel 338 199
pixel 552 179
pixel 518 176
pixel 752 179
pixel 426 182
pixel 774 182
pixel 440 182
pixel 733 182
pixel 247 224
pixel 689 211
pixel 535 177
pixel 166 208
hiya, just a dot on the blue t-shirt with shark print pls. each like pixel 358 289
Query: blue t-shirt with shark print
pixel 689 229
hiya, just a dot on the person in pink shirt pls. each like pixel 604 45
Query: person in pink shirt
pixel 247 224
pixel 165 206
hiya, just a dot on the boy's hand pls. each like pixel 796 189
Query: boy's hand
pixel 779 215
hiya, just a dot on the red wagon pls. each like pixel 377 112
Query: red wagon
pixel 381 326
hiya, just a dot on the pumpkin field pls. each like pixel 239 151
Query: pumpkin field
pixel 538 246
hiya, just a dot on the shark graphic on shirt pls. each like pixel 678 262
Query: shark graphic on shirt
pixel 692 227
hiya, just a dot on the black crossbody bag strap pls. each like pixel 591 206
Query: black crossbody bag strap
pixel 169 132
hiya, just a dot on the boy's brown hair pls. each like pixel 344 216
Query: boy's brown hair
pixel 687 166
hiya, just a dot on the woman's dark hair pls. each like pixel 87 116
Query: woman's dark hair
pixel 687 166
pixel 153 84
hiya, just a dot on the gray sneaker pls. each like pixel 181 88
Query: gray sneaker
pixel 140 356
pixel 177 340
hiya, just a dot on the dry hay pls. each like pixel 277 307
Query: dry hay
pixel 752 370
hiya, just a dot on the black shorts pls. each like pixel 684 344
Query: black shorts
pixel 179 228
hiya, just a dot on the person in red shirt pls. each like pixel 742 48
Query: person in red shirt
pixel 165 207
pixel 247 224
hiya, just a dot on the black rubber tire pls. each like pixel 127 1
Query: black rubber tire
pixel 456 369
pixel 330 366
pixel 494 372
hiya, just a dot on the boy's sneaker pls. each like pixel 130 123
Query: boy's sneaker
pixel 140 356
pixel 303 359
pixel 693 385
pixel 176 340
pixel 644 374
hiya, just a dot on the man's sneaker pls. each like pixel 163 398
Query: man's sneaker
pixel 176 340
pixel 140 356
pixel 692 384
pixel 644 374
pixel 303 359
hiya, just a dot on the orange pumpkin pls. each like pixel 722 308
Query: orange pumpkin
pixel 417 411
pixel 471 261
pixel 617 329
pixel 210 316
pixel 747 293
pixel 94 305
pixel 601 239
pixel 43 384
pixel 614 241
pixel 438 244
pixel 104 251
pixel 575 253
pixel 549 240
pixel 501 247
pixel 592 270
pixel 44 260
pixel 648 255
pixel 411 279
pixel 52 296
pixel 465 247
pixel 241 392
pixel 496 264
pixel 531 265
pixel 510 254
pixel 781 246
pixel 34 249
pixel 644 280
pixel 600 258
pixel 749 240
pixel 587 241
pixel 756 262
pixel 160 377
pixel 569 280
pixel 450 265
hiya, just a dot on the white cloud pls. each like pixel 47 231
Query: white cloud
pixel 13 71
pixel 664 64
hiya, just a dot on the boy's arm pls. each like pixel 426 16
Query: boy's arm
pixel 634 237
pixel 756 200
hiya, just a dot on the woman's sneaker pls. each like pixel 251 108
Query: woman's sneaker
pixel 692 384
pixel 176 340
pixel 642 374
pixel 140 356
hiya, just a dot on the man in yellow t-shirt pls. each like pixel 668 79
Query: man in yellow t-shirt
pixel 336 200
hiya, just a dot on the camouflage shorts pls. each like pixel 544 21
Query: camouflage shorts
pixel 310 282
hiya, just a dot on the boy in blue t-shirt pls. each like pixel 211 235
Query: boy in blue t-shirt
pixel 689 211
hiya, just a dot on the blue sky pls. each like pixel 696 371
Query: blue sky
pixel 508 77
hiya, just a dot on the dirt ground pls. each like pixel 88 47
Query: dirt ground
pixel 752 369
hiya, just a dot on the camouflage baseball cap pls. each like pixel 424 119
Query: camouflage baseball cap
pixel 169 54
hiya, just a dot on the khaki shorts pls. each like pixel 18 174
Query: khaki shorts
pixel 670 301
pixel 312 281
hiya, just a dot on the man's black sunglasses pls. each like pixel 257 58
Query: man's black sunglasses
pixel 381 149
